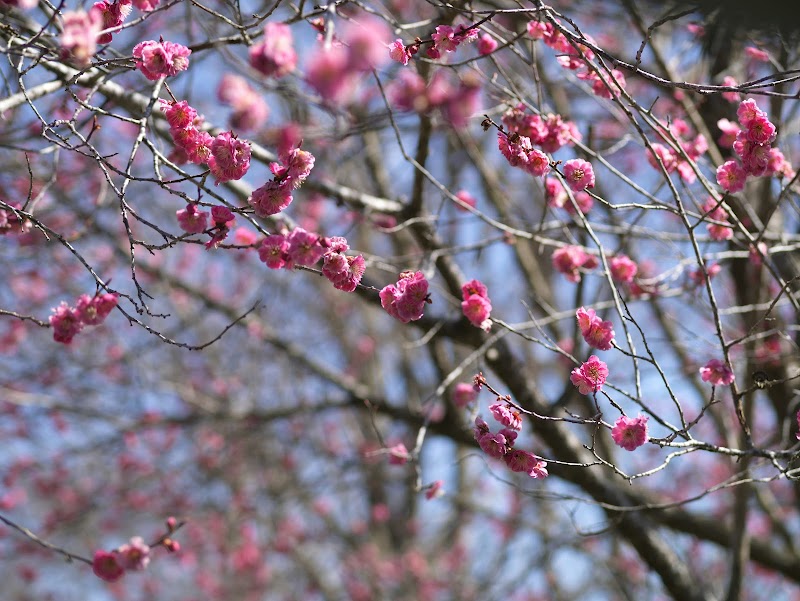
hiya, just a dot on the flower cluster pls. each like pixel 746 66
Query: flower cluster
pixel 753 149
pixel 590 376
pixel 342 271
pixel 336 71
pixel 273 197
pixel 250 110
pixel 274 56
pixel 160 59
pixel 476 305
pixel 575 56
pixel 230 158
pixel 79 36
pixel 623 268
pixel 112 14
pixel 630 433
pixel 89 311
pixel 111 566
pixel 409 92
pixel 500 445
pixel 597 333
pixel 570 260
pixel 406 299
pixel 691 149
pixel 550 132
pixel 721 230
pixel 302 248
pixel 717 372
pixel 519 152
pixel 445 39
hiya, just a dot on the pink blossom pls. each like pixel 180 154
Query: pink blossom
pixel 494 445
pixel 537 29
pixel 474 287
pixel 570 259
pixel 730 82
pixel 366 42
pixel 467 198
pixel 304 248
pixel 113 15
pixel 434 490
pixel 273 251
pixel 760 130
pixel 269 199
pixel 623 268
pixel 729 131
pixel 66 323
pixel 343 272
pixel 477 309
pixel 698 277
pixel 274 56
pixel 579 174
pixel 717 372
pixel 406 300
pixel 717 213
pixel 630 433
pixel 731 177
pixel 398 52
pixel 777 165
pixel 191 220
pixel 443 38
pixel 179 114
pixel 486 44
pixel 525 462
pixel 79 36
pixel 106 566
pixel 506 415
pixel 146 5
pixel 747 111
pixel 160 59
pixel 590 376
pixel 597 333
pixel 665 154
pixel 398 454
pixel 93 310
pixel 464 394
pixel 538 163
pixel 134 555
pixel 231 158
pixel 329 73
pixel 249 108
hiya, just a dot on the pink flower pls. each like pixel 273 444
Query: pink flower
pixel 467 198
pixel 623 269
pixel 570 259
pixel 398 454
pixel 406 300
pixel 538 163
pixel 443 39
pixel 146 5
pixel 113 14
pixel 668 158
pixel 343 272
pixel 537 29
pixel 93 310
pixel 134 555
pixel 464 394
pixel 274 56
pixel 477 309
pixel 486 44
pixel 506 415
pixel 434 490
pixel 729 131
pixel 590 376
pixel 191 220
pixel 179 114
pixel 329 73
pixel 717 213
pixel 231 158
pixel 730 82
pixel 494 445
pixel 525 462
pixel 760 130
pixel 79 36
pixel 273 251
pixel 717 372
pixel 629 433
pixel 747 111
pixel 106 566
pixel 365 42
pixel 731 177
pixel 269 199
pixel 399 53
pixel 597 333
pixel 160 59
pixel 304 248
pixel 66 323
pixel 579 174
pixel 249 108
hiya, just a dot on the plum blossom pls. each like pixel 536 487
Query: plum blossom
pixel 717 372
pixel 398 454
pixel 230 158
pixel 590 376
pixel 66 323
pixel 406 299
pixel 464 394
pixel 486 44
pixel 525 462
pixel 716 212
pixel 623 268
pixel 191 220
pixel 398 52
pixel 106 566
pixel 630 433
pixel 342 271
pixel 579 174
pixel 597 333
pixel 273 251
pixel 569 260
pixel 79 35
pixel 506 415
pixel 274 56
pixel 134 555
pixel 731 177
pixel 476 305
pixel 160 59
pixel 93 310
